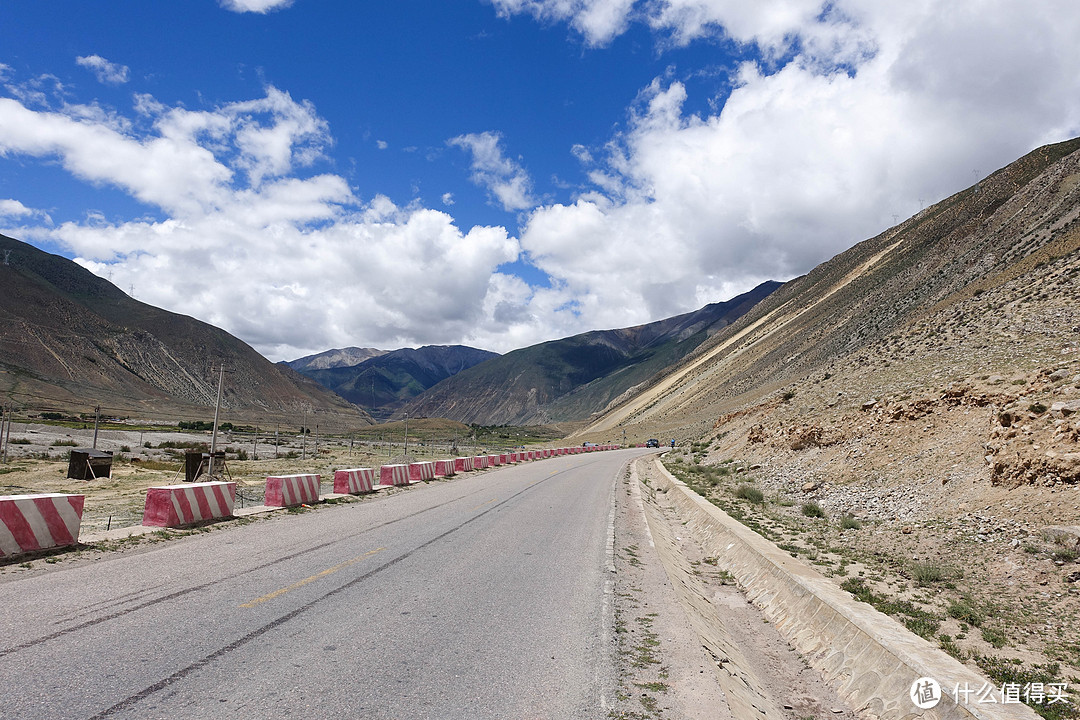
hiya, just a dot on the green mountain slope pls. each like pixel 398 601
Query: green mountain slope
pixel 572 378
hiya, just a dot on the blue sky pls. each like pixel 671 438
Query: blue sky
pixel 315 174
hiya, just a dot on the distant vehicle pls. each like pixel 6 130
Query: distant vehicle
pixel 652 442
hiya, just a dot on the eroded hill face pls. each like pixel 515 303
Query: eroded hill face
pixel 980 284
pixel 72 340
pixel 907 418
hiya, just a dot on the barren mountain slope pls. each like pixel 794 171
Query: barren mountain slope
pixel 973 241
pixel 922 393
pixel 70 340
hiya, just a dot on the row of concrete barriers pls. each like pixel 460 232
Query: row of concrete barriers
pixel 40 522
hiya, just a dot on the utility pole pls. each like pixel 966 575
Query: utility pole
pixel 217 410
pixel 406 453
pixel 7 433
pixel 316 440
pixel 255 445
pixel 3 421
pixel 97 417
pixel 303 437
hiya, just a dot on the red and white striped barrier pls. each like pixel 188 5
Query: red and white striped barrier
pixel 394 475
pixel 354 481
pixel 494 460
pixel 419 471
pixel 504 458
pixel 480 462
pixel 444 468
pixel 291 490
pixel 464 464
pixel 39 522
pixel 189 503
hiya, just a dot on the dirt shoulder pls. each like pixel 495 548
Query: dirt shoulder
pixel 689 643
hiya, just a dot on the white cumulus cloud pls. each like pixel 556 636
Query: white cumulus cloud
pixel 504 178
pixel 106 72
pixel 880 108
pixel 290 260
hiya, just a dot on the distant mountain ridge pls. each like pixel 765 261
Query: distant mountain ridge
pixel 69 339
pixel 572 378
pixel 341 357
pixel 384 383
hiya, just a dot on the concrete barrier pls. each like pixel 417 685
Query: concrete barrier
pixel 354 481
pixel 420 471
pixel 870 658
pixel 494 460
pixel 480 462
pixel 444 468
pixel 291 490
pixel 188 503
pixel 394 475
pixel 39 522
pixel 463 464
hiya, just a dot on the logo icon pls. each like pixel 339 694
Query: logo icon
pixel 925 693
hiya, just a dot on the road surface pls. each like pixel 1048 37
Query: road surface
pixel 483 597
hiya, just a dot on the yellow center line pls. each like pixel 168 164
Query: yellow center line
pixel 484 503
pixel 313 578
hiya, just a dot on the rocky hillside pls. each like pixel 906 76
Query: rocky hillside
pixel 384 383
pixel 569 379
pixel 979 283
pixel 907 417
pixel 71 340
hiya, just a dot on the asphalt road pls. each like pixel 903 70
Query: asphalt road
pixel 483 597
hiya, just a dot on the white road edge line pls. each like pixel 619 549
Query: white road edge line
pixel 607 615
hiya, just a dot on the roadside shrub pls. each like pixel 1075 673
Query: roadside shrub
pixel 926 573
pixel 751 493
pixel 994 636
pixel 812 510
pixel 964 612
pixel 850 522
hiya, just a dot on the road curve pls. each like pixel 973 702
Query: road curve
pixel 483 597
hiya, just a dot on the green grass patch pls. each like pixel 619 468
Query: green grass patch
pixel 812 510
pixel 994 636
pixel 1010 670
pixel 919 621
pixel 751 493
pixel 963 611
pixel 850 522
